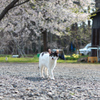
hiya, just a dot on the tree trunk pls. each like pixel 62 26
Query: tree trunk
pixel 76 28
pixel 45 41
pixel 39 45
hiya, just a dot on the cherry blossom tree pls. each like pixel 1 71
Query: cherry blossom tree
pixel 41 17
pixel 55 15
pixel 14 23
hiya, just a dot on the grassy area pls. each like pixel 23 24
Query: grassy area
pixel 67 61
pixel 34 59
pixel 19 60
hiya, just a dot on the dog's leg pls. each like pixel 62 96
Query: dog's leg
pixel 46 72
pixel 41 71
pixel 51 74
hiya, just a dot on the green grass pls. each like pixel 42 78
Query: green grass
pixel 19 60
pixel 34 59
pixel 67 61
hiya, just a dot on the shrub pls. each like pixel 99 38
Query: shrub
pixel 73 57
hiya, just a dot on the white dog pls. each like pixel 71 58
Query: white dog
pixel 47 62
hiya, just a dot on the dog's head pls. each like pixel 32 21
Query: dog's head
pixel 54 55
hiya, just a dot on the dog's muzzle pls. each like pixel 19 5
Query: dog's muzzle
pixel 52 58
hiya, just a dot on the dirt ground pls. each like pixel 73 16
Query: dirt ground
pixel 21 81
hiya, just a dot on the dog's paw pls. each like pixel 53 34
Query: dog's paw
pixel 41 76
pixel 52 78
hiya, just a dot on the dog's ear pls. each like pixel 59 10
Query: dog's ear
pixel 57 51
pixel 51 53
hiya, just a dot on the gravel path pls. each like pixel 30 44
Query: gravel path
pixel 72 82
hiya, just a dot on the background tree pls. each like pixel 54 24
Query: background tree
pixel 27 22
pixel 54 16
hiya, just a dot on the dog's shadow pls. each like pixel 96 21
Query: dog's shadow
pixel 35 79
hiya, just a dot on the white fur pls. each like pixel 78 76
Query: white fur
pixel 47 63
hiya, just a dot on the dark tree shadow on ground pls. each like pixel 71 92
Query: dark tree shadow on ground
pixel 36 78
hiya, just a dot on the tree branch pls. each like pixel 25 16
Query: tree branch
pixel 21 3
pixel 10 6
